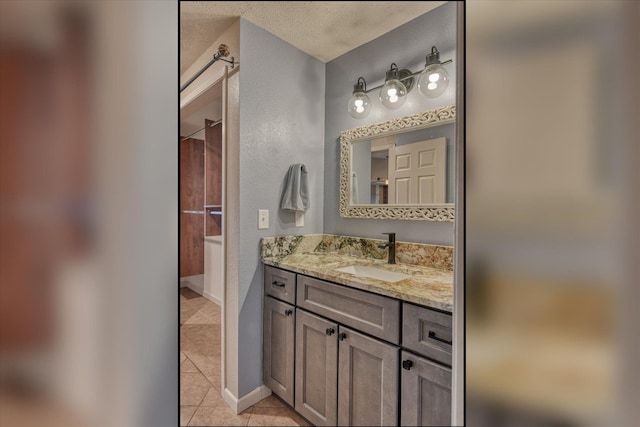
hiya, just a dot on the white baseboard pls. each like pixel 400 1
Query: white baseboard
pixel 212 298
pixel 195 287
pixel 246 401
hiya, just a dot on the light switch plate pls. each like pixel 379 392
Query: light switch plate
pixel 299 219
pixel 263 219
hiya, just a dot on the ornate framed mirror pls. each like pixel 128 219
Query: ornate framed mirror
pixel 402 168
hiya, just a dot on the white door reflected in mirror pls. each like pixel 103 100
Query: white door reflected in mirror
pixel 417 172
pixel 409 174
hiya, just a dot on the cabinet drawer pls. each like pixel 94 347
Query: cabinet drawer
pixel 280 284
pixel 427 332
pixel 374 314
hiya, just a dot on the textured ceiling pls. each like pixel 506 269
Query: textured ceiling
pixel 324 30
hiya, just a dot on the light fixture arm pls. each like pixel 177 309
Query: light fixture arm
pixel 402 79
pixel 360 86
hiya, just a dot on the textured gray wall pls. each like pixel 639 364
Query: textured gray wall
pixel 281 122
pixel 407 46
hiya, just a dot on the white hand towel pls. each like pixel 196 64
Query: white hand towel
pixel 295 194
pixel 354 189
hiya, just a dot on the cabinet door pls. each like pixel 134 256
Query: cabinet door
pixel 278 351
pixel 367 380
pixel 316 369
pixel 426 392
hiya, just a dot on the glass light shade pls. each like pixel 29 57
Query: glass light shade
pixel 393 94
pixel 359 105
pixel 433 81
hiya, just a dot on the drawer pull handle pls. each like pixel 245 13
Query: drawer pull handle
pixel 330 331
pixel 288 312
pixel 407 364
pixel 437 338
pixel 276 283
pixel 342 336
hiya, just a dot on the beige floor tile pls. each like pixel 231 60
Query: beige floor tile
pixel 193 387
pixel 212 311
pixel 209 367
pixel 213 398
pixel 199 302
pixel 204 344
pixel 182 356
pixel 186 313
pixel 275 417
pixel 186 412
pixel 188 366
pixel 184 343
pixel 196 331
pixel 270 402
pixel 218 416
pixel 199 317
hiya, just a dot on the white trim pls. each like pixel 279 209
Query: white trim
pixel 195 287
pixel 213 299
pixel 199 289
pixel 246 401
pixel 458 350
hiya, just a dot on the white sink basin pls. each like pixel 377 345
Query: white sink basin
pixel 373 273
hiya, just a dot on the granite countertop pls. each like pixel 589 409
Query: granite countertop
pixel 427 286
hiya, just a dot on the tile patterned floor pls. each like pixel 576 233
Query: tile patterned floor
pixel 201 401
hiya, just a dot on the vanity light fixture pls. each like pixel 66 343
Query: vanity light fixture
pixel 432 82
pixel 359 103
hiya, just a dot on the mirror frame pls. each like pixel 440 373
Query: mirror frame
pixel 433 212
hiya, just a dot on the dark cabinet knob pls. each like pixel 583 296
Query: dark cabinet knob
pixel 330 331
pixel 433 335
pixel 288 312
pixel 407 364
pixel 342 336
pixel 278 284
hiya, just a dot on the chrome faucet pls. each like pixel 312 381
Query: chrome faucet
pixel 391 244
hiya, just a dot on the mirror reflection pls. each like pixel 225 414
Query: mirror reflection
pixel 413 168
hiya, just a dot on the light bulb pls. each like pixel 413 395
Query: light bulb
pixel 359 103
pixel 394 92
pixel 433 81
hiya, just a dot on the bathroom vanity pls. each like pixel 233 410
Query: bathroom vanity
pixel 351 340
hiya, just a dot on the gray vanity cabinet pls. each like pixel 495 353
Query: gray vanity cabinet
pixel 278 347
pixel 316 369
pixel 367 380
pixel 341 348
pixel 426 392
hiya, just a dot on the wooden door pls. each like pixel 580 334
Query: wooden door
pixel 278 334
pixel 426 392
pixel 316 369
pixel 417 172
pixel 191 207
pixel 367 380
pixel 213 178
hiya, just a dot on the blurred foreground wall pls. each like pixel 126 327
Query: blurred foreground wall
pixel 88 214
pixel 552 209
